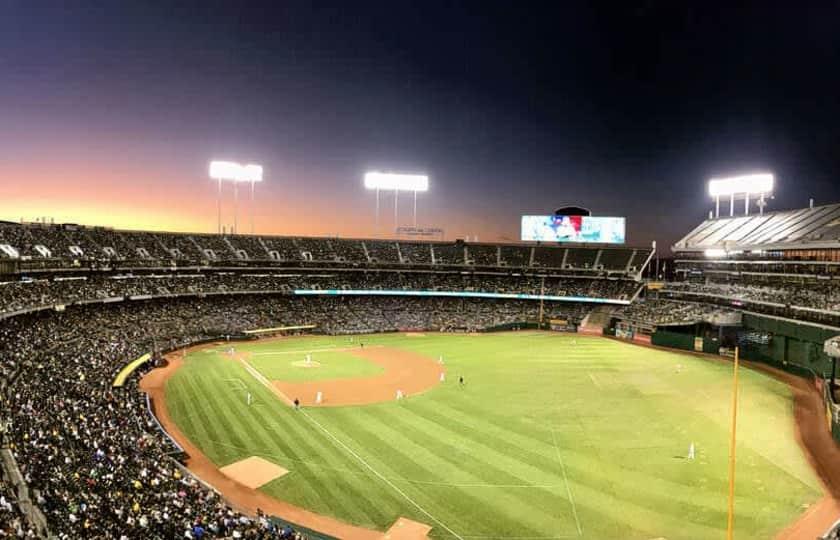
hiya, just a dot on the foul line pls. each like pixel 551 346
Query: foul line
pixel 384 479
pixel 257 375
pixel 265 382
pixel 314 464
pixel 521 537
pixel 566 481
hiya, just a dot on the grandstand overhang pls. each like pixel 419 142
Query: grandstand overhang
pixel 816 228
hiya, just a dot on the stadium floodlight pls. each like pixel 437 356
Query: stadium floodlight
pixel 225 170
pixel 396 182
pixel 236 173
pixel 748 184
pixel 251 173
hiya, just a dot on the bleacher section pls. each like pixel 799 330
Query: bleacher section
pixel 657 312
pixel 382 251
pixel 65 245
pixel 482 255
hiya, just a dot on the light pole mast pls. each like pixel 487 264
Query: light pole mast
pixel 234 172
pixel 396 182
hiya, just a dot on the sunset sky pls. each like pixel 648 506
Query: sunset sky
pixel 111 111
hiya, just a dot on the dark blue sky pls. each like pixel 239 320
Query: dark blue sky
pixel 112 109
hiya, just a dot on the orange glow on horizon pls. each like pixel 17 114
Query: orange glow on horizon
pixel 126 196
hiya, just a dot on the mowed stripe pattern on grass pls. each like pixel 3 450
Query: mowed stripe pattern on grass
pixel 483 460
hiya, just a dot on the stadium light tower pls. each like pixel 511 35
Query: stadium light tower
pixel 396 182
pixel 735 186
pixel 234 172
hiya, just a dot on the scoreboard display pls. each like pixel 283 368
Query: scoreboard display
pixel 584 229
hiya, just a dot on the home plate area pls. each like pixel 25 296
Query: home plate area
pixel 253 472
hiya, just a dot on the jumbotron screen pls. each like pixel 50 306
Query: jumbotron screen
pixel 586 229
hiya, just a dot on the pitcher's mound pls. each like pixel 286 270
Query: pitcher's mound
pixel 253 471
pixel 415 334
pixel 405 529
pixel 305 364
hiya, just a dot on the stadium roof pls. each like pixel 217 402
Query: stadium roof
pixel 805 228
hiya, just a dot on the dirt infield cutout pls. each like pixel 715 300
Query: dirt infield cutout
pixel 406 529
pixel 405 371
pixel 253 472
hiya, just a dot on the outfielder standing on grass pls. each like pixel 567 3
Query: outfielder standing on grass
pixel 461 380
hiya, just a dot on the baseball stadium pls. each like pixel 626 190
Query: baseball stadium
pixel 373 388
pixel 419 270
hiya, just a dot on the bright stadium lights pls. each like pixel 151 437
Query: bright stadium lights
pixel 749 183
pixel 252 173
pixel 231 171
pixel 744 185
pixel 396 182
pixel 224 170
pixel 235 172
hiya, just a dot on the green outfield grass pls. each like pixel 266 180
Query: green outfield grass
pixel 553 436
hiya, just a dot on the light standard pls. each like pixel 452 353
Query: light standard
pixel 235 172
pixel 745 185
pixel 396 182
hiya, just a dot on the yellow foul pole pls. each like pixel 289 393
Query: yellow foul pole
pixel 731 520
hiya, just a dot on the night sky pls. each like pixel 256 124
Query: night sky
pixel 110 111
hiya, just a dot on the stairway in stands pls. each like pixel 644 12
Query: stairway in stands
pixel 596 321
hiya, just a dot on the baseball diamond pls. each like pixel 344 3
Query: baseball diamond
pixel 418 270
pixel 513 452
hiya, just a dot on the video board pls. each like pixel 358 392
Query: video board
pixel 584 229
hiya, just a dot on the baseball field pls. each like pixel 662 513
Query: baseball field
pixel 549 436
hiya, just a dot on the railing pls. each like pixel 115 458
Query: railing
pixel 31 512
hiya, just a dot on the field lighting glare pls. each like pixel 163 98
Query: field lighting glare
pixel 230 171
pixel 741 187
pixel 746 184
pixel 235 172
pixel 396 181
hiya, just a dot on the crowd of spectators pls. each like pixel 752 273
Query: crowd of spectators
pixel 668 312
pixel 384 314
pixel 66 242
pixel 29 293
pixel 822 295
pixel 93 457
